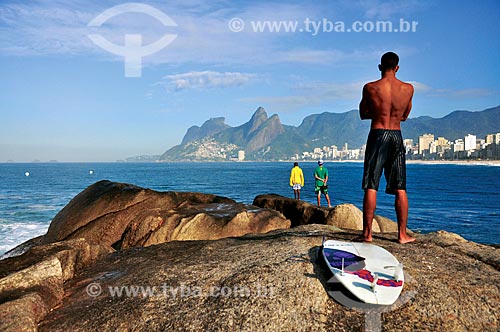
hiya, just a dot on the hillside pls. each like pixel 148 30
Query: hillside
pixel 266 138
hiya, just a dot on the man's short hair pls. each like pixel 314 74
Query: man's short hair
pixel 389 60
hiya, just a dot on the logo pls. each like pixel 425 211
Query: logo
pixel 373 312
pixel 133 51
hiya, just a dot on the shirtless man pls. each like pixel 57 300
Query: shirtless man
pixel 386 103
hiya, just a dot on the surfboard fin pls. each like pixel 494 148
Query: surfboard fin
pixel 398 270
pixel 374 283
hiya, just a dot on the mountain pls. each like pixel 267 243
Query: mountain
pixel 257 133
pixel 335 129
pixel 209 128
pixel 225 141
pixel 266 138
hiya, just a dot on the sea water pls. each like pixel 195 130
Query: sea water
pixel 463 199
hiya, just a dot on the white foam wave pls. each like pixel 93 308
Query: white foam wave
pixel 14 233
pixel 43 207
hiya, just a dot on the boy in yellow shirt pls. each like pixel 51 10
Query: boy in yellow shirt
pixel 296 180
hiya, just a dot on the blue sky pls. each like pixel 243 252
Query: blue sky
pixel 62 97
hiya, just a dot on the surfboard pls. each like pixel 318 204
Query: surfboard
pixel 371 273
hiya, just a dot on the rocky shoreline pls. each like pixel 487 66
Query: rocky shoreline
pixel 123 258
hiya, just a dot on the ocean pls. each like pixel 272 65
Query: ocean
pixel 463 199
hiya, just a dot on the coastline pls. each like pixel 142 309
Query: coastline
pixel 456 162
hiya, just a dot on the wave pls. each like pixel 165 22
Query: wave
pixel 43 207
pixel 13 234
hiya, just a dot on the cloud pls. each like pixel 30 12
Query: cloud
pixel 206 80
pixel 313 94
pixel 420 87
pixel 57 28
pixel 426 90
pixel 378 9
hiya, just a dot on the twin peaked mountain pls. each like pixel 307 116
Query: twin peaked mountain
pixel 266 138
pixel 215 140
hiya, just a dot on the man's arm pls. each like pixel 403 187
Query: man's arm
pixel 408 108
pixel 364 107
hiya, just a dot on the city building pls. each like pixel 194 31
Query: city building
pixel 459 145
pixel 470 142
pixel 424 142
pixel 468 147
pixel 241 155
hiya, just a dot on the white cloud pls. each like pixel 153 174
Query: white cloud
pixel 429 91
pixel 383 9
pixel 314 94
pixel 57 28
pixel 420 87
pixel 206 80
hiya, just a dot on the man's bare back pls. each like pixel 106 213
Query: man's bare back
pixel 386 102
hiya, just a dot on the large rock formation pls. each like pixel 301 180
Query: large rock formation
pixel 33 283
pixel 345 216
pixel 111 215
pixel 71 279
pixel 273 282
pixel 123 216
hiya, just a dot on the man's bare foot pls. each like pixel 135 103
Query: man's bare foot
pixel 406 239
pixel 361 238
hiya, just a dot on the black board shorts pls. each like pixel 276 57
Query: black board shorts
pixel 385 151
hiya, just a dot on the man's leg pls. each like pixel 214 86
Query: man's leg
pixel 369 205
pixel 298 194
pixel 319 198
pixel 328 200
pixel 401 206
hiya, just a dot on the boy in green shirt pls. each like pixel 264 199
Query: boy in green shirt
pixel 321 176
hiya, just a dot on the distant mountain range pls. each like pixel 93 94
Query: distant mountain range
pixel 266 138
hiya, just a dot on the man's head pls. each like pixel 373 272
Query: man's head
pixel 320 162
pixel 388 62
pixel 295 164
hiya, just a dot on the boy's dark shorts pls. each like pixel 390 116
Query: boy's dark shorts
pixel 322 189
pixel 385 151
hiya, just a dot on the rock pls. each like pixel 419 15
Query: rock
pixel 110 214
pixel 271 282
pixel 201 222
pixel 344 216
pixel 386 225
pixel 28 295
pixel 299 212
pixel 72 255
pixel 23 314
pixel 32 284
pixel 348 216
pixel 118 214
pixel 486 254
pixel 444 238
pixel 23 247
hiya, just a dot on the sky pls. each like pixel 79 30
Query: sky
pixel 107 80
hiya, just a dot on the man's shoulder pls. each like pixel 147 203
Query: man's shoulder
pixel 406 84
pixel 372 84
